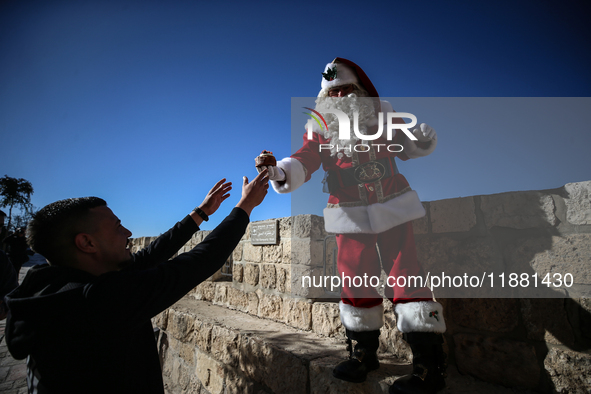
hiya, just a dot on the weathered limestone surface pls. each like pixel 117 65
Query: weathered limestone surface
pixel 578 203
pixel 518 210
pixel 225 351
pixel 497 360
pixel 532 338
pixel 570 371
pixel 449 215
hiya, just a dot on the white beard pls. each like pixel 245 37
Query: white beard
pixel 349 105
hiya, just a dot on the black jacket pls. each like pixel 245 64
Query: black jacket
pixel 87 334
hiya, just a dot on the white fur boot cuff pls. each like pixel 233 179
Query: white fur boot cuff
pixel 420 316
pixel 362 319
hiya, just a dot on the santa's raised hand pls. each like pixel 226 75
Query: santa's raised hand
pixel 424 133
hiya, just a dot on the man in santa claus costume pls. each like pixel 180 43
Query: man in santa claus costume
pixel 370 203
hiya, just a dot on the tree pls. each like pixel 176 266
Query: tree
pixel 15 192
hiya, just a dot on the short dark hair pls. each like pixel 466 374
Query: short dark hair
pixel 52 230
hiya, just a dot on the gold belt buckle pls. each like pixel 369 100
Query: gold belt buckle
pixel 369 172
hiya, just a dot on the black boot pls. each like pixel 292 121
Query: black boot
pixel 428 375
pixel 362 360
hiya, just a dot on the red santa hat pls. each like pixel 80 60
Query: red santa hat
pixel 344 72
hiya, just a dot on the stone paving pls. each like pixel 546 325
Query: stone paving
pixel 13 373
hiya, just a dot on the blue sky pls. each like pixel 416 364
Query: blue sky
pixel 147 104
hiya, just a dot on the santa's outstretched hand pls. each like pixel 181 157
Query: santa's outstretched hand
pixel 424 132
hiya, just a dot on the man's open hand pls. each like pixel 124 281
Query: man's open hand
pixel 216 196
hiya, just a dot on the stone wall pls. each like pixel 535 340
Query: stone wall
pixel 529 338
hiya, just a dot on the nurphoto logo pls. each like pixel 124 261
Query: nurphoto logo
pixel 345 129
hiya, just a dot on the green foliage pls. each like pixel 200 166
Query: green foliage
pixel 15 192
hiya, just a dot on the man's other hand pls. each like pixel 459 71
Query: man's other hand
pixel 254 193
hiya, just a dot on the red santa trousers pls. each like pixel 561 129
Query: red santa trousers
pixel 358 258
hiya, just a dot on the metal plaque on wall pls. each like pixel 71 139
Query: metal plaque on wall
pixel 264 233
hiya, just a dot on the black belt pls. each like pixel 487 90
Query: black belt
pixel 369 172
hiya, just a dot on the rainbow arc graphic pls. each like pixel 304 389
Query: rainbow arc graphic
pixel 316 119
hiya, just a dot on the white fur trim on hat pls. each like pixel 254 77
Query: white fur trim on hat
pixel 420 316
pixel 345 76
pixel 295 175
pixel 375 218
pixel 361 319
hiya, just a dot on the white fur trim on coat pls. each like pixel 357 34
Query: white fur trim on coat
pixel 295 175
pixel 361 319
pixel 374 218
pixel 420 316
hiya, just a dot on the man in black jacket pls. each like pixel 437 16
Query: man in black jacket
pixel 83 320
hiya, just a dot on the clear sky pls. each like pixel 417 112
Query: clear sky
pixel 148 103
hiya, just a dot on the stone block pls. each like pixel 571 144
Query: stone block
pixel 285 228
pixel 238 272
pixel 421 225
pixel 578 204
pixel 237 299
pixel 204 291
pixel 270 306
pixel 253 303
pixel 484 314
pixel 323 382
pixel 326 319
pixel 391 340
pixel 283 283
pixel 252 253
pixel 552 255
pixel 202 337
pixel 224 345
pixel 519 210
pixel 569 371
pixel 452 215
pixel 546 320
pixel 221 294
pixel 161 320
pixel 197 237
pixel 302 226
pixel 237 252
pixel 273 253
pixel 187 352
pixel 306 252
pixel 305 281
pixel 471 256
pixel 210 373
pixel 300 251
pixel 497 360
pixel 280 370
pixel 251 274
pixel 268 277
pixel 298 313
pixel 238 384
pixel 180 325
pixel 286 251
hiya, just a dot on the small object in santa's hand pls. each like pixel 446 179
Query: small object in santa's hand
pixel 266 158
